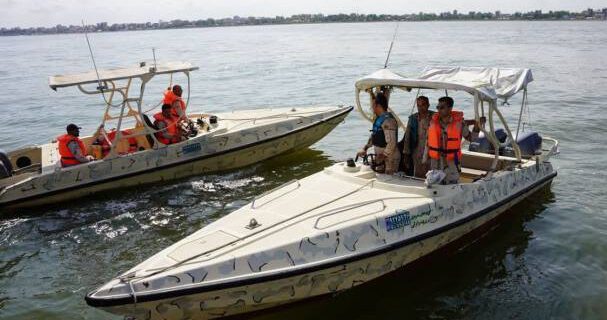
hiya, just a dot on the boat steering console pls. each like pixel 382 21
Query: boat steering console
pixel 369 159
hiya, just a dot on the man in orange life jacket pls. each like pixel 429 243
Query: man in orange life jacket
pixel 167 126
pixel 173 98
pixel 71 148
pixel 443 146
pixel 384 136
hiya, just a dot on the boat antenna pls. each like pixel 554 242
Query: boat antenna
pixel 391 45
pixel 154 55
pixel 100 86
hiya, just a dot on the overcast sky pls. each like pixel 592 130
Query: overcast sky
pixel 26 13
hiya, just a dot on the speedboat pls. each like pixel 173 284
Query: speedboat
pixel 345 225
pixel 33 176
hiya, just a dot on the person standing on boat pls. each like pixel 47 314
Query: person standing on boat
pixel 173 98
pixel 414 142
pixel 167 126
pixel 71 148
pixel 444 144
pixel 384 136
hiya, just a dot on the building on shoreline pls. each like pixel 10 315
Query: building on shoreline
pixel 588 14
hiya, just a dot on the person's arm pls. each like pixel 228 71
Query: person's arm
pixel 407 139
pixel 363 151
pixel 177 106
pixel 162 128
pixel 472 135
pixel 75 149
pixel 390 126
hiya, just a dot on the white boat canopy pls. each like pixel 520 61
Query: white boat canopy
pixel 140 71
pixel 128 106
pixel 488 83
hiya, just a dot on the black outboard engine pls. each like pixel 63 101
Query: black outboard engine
pixel 530 144
pixel 482 144
pixel 6 168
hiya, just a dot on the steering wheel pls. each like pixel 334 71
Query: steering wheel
pixel 369 160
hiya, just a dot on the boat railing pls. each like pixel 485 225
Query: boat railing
pixel 554 149
pixel 272 191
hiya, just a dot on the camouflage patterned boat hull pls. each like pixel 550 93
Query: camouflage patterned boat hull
pixel 308 244
pixel 244 143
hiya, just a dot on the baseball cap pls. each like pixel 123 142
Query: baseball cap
pixel 72 127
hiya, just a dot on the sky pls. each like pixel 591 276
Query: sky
pixel 28 13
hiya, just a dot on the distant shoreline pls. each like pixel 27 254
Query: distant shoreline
pixel 236 21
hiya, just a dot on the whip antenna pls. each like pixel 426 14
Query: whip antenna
pixel 391 44
pixel 154 54
pixel 88 42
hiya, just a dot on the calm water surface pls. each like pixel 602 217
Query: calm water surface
pixel 547 261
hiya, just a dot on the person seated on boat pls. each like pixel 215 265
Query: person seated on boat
pixel 106 140
pixel 414 142
pixel 384 136
pixel 444 143
pixel 71 148
pixel 173 98
pixel 168 133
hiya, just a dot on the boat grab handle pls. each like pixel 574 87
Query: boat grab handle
pixel 554 149
pixel 271 191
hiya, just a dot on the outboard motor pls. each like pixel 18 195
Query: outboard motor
pixel 6 168
pixel 483 145
pixel 530 144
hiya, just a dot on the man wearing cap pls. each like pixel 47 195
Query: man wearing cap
pixel 384 136
pixel 71 148
pixel 416 134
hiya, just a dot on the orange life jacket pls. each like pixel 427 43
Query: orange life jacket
pixel 170 98
pixel 170 127
pixel 111 136
pixel 454 137
pixel 67 157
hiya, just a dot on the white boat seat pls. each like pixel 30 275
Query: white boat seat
pixel 468 175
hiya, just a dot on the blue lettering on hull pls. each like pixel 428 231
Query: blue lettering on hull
pixel 191 148
pixel 399 220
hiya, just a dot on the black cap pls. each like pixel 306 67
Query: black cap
pixel 72 127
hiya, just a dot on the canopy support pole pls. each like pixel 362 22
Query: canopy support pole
pixel 517 149
pixel 492 137
pixel 112 153
pixel 520 116
pixel 360 108
pixel 187 101
pixel 148 131
pixel 369 117
pixel 415 101
pixel 478 103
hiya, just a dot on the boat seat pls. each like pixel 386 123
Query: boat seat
pixel 50 157
pixel 471 175
pixel 483 161
pixel 142 141
pixel 150 124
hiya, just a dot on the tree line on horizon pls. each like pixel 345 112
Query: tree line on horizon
pixel 589 14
